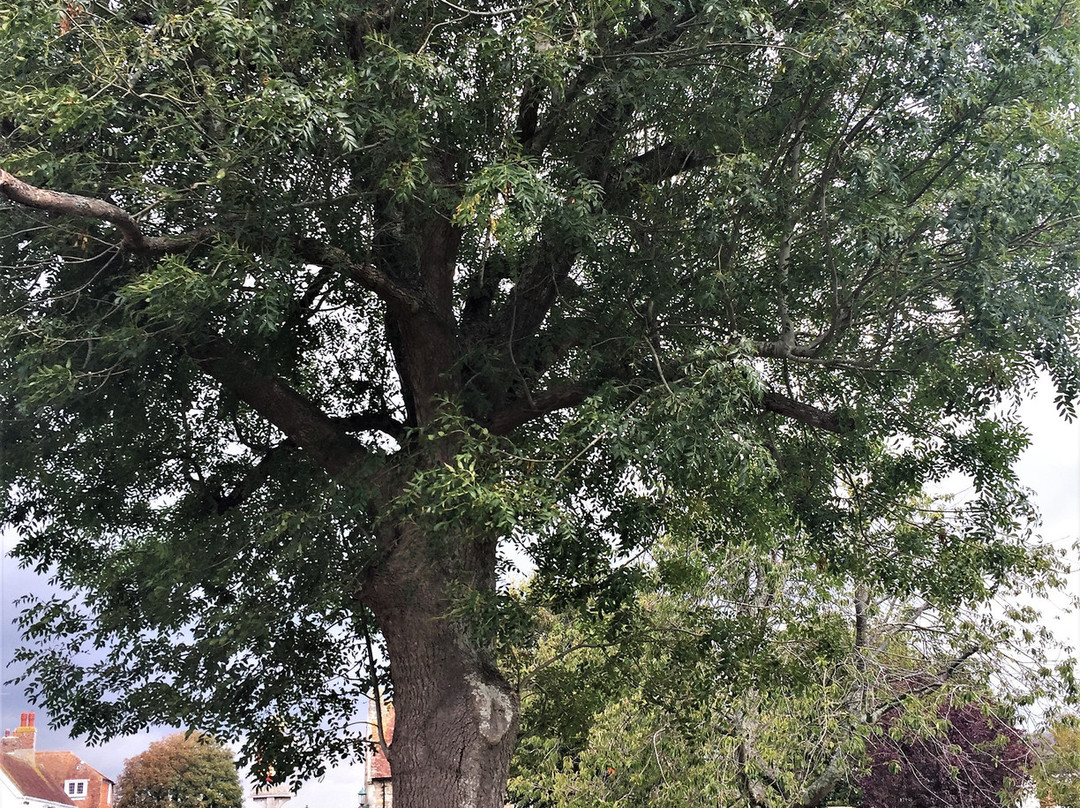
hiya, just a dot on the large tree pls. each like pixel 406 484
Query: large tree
pixel 183 770
pixel 314 309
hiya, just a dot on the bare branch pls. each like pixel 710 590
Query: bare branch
pixel 521 412
pixel 253 480
pixel 376 420
pixel 533 295
pixel 822 786
pixel 667 161
pixel 64 204
pixel 374 671
pixel 931 684
pixel 825 783
pixel 368 276
pixel 475 13
pixel 806 413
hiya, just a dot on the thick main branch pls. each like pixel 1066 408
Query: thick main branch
pixel 540 404
pixel 665 162
pixel 806 413
pixel 369 277
pixel 533 295
pixel 299 418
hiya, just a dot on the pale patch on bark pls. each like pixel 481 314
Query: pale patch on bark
pixel 495 709
pixel 470 788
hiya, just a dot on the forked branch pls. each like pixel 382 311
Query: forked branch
pixel 373 421
pixel 256 476
pixel 540 404
pixel 368 276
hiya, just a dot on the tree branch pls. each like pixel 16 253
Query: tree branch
pixel 528 112
pixel 532 296
pixel 253 480
pixel 302 421
pixel 372 279
pixel 64 204
pixel 384 747
pixel 375 420
pixel 520 412
pixel 666 161
pixel 823 785
pixel 806 413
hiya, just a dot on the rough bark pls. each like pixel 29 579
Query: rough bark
pixel 456 716
pixel 65 204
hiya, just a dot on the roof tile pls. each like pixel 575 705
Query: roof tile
pixel 31 780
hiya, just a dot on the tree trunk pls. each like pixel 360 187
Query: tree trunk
pixel 455 716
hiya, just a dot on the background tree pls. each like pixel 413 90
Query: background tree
pixel 976 760
pixel 744 677
pixel 1056 769
pixel 180 771
pixel 316 309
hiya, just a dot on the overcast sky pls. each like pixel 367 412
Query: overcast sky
pixel 1051 467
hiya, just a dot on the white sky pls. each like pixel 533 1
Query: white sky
pixel 1051 467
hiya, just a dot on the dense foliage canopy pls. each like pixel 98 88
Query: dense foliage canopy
pixel 180 771
pixel 318 315
pixel 738 678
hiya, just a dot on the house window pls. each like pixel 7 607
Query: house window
pixel 76 789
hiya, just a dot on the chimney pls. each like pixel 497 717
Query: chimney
pixel 21 742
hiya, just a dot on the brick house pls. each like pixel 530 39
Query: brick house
pixel 47 779
pixel 22 784
pixel 378 790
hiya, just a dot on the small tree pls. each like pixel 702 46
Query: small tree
pixel 1057 772
pixel 180 771
pixel 977 760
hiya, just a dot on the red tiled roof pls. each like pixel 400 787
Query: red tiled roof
pixel 66 766
pixel 31 780
pixel 380 766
